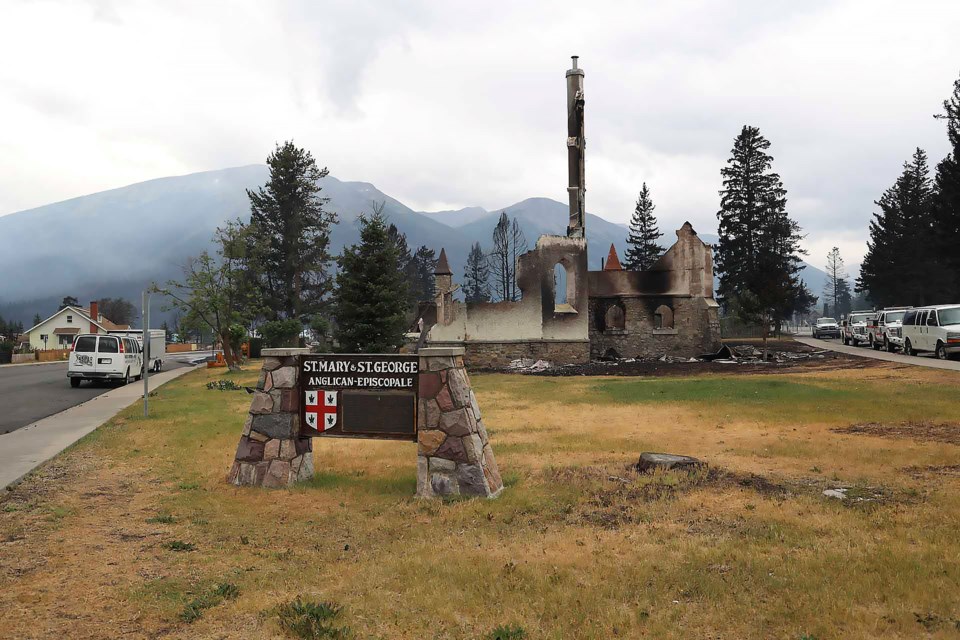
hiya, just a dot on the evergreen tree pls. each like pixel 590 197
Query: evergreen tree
pixel 642 247
pixel 758 255
pixel 37 319
pixel 476 277
pixel 836 290
pixel 68 301
pixel 946 203
pixel 404 259
pixel 424 282
pixel 288 216
pixel 370 298
pixel 899 266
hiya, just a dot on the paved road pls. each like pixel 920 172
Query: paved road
pixel 24 449
pixel 31 392
pixel 926 360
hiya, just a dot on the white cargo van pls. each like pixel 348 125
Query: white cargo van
pixel 157 349
pixel 934 329
pixel 104 357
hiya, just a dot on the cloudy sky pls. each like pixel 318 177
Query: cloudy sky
pixel 451 104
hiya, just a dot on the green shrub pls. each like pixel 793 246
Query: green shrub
pixel 194 609
pixel 223 385
pixel 312 620
pixel 281 333
pixel 508 632
pixel 179 545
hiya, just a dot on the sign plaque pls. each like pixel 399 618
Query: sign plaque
pixel 359 395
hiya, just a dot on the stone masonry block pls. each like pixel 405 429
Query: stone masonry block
pixel 471 480
pixel 430 440
pixel 269 364
pixel 444 484
pixel 290 401
pixel 261 403
pixel 436 364
pixel 276 425
pixel 458 387
pixel 261 380
pixel 474 405
pixel 288 449
pixel 456 423
pixel 440 465
pixel 249 450
pixel 452 449
pixel 473 448
pixel 430 384
pixel 285 378
pixel 268 382
pixel 445 400
pixel 271 450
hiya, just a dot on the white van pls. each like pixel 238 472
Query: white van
pixel 934 329
pixel 104 357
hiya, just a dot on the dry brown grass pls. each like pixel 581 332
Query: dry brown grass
pixel 578 546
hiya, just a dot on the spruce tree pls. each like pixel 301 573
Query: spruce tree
pixel 370 298
pixel 899 266
pixel 289 219
pixel 642 247
pixel 946 203
pixel 758 255
pixel 404 259
pixel 476 277
pixel 424 282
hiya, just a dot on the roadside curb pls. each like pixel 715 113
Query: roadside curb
pixel 25 449
pixel 31 364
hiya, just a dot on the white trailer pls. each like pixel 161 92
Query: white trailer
pixel 155 351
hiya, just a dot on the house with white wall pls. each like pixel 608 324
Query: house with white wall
pixel 59 330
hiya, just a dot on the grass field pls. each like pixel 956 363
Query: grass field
pixel 134 532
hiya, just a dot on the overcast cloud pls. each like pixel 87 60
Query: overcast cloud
pixel 451 104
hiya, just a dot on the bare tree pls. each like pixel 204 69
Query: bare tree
pixel 509 243
pixel 836 289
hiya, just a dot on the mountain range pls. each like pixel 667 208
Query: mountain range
pixel 115 243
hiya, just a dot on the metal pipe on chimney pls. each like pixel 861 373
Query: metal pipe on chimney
pixel 576 146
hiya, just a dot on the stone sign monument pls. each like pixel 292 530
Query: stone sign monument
pixel 424 398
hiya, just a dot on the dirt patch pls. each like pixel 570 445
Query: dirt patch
pixel 918 431
pixel 616 496
pixel 942 470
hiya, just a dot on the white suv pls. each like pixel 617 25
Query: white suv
pixel 889 329
pixel 934 329
pixel 101 357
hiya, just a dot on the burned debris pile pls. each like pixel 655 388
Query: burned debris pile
pixel 780 353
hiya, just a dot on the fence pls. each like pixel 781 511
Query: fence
pixel 20 358
pixel 51 355
pixel 181 348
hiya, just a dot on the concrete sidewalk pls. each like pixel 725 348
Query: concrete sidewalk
pixel 926 360
pixel 24 449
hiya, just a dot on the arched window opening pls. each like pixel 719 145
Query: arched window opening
pixel 615 318
pixel 663 317
pixel 564 286
pixel 560 284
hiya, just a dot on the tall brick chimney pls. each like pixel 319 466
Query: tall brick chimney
pixel 94 316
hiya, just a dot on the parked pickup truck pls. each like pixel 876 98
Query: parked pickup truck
pixel 855 327
pixel 826 328
pixel 887 329
pixel 934 329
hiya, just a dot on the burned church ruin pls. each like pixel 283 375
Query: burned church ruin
pixel 668 309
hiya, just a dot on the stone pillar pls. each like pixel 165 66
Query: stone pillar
pixel 271 452
pixel 454 453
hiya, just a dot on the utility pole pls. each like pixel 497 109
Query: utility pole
pixel 145 356
pixel 576 147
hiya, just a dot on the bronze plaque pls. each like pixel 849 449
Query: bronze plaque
pixel 359 395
